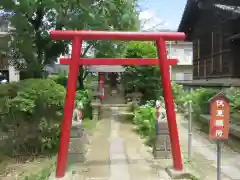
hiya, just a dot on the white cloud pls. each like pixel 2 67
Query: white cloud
pixel 150 21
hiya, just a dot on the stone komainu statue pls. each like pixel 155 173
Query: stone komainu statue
pixel 78 114
pixel 78 140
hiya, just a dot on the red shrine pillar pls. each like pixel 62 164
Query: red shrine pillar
pixel 68 108
pixel 169 104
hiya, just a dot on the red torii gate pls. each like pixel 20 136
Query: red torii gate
pixel 77 37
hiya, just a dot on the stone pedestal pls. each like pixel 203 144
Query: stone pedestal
pixel 96 109
pixel 162 145
pixel 77 145
pixel 134 98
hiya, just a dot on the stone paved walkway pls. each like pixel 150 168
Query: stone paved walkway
pixel 116 152
pixel 204 155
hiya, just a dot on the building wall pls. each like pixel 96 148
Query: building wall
pixel 61 68
pixel 184 53
pixel 13 74
pixel 181 73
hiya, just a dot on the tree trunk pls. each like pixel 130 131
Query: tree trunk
pixel 37 74
pixel 80 83
pixel 81 78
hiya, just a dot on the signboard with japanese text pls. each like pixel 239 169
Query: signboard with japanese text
pixel 220 114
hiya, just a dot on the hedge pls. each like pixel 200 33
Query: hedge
pixel 32 123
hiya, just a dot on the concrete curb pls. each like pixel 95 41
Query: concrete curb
pixel 185 174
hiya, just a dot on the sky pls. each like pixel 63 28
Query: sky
pixel 165 14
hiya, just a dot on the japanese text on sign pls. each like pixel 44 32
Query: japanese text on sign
pixel 220 103
pixel 219 120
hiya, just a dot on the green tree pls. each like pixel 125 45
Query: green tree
pixel 116 15
pixel 144 79
pixel 31 47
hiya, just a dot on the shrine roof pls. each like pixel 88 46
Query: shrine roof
pixel 190 15
pixel 228 8
pixel 193 8
pixel 106 68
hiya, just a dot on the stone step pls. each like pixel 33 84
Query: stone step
pixel 121 107
pixel 116 105
pixel 126 115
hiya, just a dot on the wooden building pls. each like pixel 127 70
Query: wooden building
pixel 214 28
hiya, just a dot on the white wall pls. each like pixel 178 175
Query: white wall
pixel 61 68
pixel 181 73
pixel 182 51
pixel 13 74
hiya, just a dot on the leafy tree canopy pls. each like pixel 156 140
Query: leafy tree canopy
pixel 145 79
pixel 31 46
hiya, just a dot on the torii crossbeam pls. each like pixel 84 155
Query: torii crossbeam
pixel 77 37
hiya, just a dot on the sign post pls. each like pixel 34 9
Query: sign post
pixel 189 130
pixel 219 124
pixel 189 103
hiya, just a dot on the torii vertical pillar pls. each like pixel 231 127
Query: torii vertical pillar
pixel 169 104
pixel 68 107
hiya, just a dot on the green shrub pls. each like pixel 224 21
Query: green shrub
pixel 61 79
pixel 81 95
pixel 9 90
pixel 178 94
pixel 42 173
pixel 200 100
pixel 145 120
pixel 33 123
pixel 85 97
pixel 234 96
